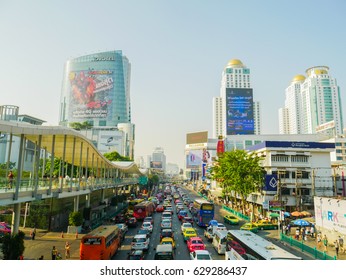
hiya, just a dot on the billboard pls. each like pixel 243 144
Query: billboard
pixel 194 158
pixel 239 111
pixel 197 138
pixel 90 93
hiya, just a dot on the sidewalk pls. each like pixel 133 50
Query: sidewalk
pixel 44 242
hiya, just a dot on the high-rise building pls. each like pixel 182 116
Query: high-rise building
pixel 312 104
pixel 235 111
pixel 96 92
pixel 158 159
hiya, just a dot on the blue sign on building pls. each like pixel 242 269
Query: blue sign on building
pixel 271 183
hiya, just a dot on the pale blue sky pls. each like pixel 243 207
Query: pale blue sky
pixel 177 50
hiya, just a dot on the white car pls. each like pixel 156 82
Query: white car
pixel 185 225
pixel 140 242
pixel 148 226
pixel 200 255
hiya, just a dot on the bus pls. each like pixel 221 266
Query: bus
pixel 258 247
pixel 134 202
pixel 143 209
pixel 100 244
pixel 203 212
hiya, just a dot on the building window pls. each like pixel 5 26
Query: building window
pixel 299 158
pixel 279 158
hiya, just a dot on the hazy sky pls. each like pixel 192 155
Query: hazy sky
pixel 177 50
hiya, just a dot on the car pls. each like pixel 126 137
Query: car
pixel 195 243
pixel 166 215
pixel 149 219
pixel 143 231
pixel 200 255
pixel 166 232
pixel 250 227
pixel 166 223
pixel 132 222
pixel 119 219
pixel 136 255
pixel 232 244
pixel 123 229
pixel 148 226
pixel 185 225
pixel 187 219
pixel 168 240
pixel 265 224
pixel 140 242
pixel 181 214
pixel 159 208
pixel 188 233
pixel 179 208
pixel 231 220
pixel 169 209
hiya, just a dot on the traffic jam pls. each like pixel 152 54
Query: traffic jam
pixel 174 224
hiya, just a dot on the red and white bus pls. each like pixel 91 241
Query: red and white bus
pixel 143 209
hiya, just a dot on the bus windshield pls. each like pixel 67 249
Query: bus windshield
pixel 259 247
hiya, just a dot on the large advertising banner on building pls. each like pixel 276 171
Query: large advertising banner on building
pixel 156 164
pixel 330 214
pixel 239 111
pixel 194 158
pixel 90 93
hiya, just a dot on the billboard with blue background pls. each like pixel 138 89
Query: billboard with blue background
pixel 239 111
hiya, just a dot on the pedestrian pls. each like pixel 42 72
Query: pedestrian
pixel 319 240
pixel 67 250
pixel 297 234
pixel 289 229
pixel 312 231
pixel 41 258
pixel 54 253
pixel 303 234
pixel 336 245
pixel 341 244
pixel 33 234
pixel 10 177
pixel 325 243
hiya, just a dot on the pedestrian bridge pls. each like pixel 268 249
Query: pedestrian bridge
pixel 82 168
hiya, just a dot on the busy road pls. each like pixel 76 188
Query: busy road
pixel 181 251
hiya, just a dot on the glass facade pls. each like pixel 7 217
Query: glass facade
pixel 96 90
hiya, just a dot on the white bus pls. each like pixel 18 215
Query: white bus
pixel 259 247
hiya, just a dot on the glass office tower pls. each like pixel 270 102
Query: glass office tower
pixel 96 89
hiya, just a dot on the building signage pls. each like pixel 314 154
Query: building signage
pixel 271 183
pixel 275 205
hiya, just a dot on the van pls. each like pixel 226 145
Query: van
pixel 219 241
pixel 164 252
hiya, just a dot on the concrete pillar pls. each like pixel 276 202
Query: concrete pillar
pixel 15 218
pixel 76 203
pixel 87 200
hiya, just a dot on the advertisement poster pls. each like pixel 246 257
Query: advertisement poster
pixel 194 158
pixel 90 93
pixel 239 110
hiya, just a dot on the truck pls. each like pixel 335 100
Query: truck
pixel 209 232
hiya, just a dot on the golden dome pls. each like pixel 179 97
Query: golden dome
pixel 235 63
pixel 298 78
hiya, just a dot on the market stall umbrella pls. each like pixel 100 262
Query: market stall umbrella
pixel 310 220
pixel 301 222
pixel 286 214
pixel 306 213
pixel 296 214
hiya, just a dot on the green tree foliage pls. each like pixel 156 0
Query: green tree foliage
pixel 81 126
pixel 239 172
pixel 75 219
pixel 153 180
pixel 115 156
pixel 13 246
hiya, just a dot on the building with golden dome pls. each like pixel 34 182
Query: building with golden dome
pixel 235 112
pixel 312 104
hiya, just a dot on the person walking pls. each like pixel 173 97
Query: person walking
pixel 336 245
pixel 341 244
pixel 67 250
pixel 10 177
pixel 297 234
pixel 312 231
pixel 33 234
pixel 54 253
pixel 319 240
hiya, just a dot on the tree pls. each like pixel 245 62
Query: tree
pixel 13 246
pixel 75 219
pixel 115 156
pixel 81 126
pixel 239 172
